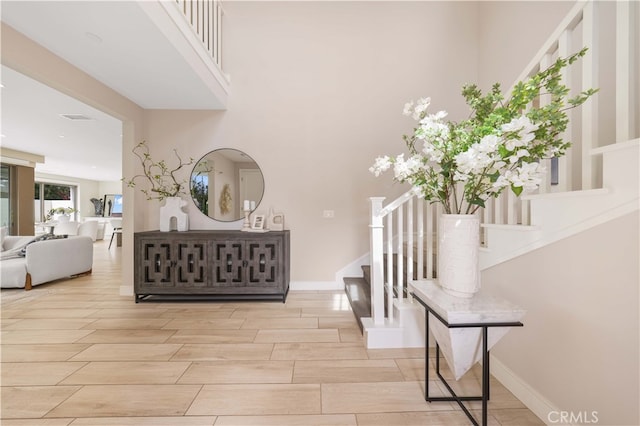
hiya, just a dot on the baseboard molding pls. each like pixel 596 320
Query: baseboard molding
pixel 315 285
pixel 538 404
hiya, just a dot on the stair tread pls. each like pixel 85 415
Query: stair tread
pixel 359 294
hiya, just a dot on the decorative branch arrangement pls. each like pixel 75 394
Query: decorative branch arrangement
pixel 161 179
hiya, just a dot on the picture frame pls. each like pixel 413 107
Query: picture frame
pixel 112 205
pixel 257 222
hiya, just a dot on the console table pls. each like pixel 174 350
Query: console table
pixel 215 264
pixel 475 316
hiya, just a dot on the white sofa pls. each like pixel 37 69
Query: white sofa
pixel 44 260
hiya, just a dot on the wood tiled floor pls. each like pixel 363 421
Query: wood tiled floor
pixel 75 352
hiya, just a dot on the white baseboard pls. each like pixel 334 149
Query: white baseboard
pixel 538 404
pixel 315 285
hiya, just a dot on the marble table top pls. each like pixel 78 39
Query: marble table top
pixel 481 308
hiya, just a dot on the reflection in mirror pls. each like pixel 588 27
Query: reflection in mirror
pixel 222 180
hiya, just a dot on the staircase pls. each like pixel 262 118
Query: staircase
pixel 595 182
pixel 358 289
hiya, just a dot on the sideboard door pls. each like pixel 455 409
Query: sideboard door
pixel 154 264
pixel 228 263
pixel 264 263
pixel 190 264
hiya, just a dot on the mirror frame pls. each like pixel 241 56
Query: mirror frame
pixel 232 174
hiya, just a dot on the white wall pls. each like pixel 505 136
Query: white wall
pixel 579 347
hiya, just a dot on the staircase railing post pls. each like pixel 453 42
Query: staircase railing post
pixel 376 229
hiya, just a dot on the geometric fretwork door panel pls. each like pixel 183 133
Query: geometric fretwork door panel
pixel 262 259
pixel 156 264
pixel 228 263
pixel 191 264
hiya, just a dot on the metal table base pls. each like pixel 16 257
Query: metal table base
pixel 485 363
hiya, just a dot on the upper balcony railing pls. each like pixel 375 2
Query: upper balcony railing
pixel 205 17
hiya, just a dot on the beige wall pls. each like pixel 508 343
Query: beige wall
pixel 317 92
pixel 579 347
pixel 511 33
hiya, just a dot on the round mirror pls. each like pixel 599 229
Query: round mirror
pixel 224 181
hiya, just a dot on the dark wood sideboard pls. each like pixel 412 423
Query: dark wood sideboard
pixel 216 264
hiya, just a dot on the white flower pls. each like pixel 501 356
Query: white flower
pixel 382 164
pixel 403 169
pixel 488 144
pixel 432 153
pixel 528 176
pixel 520 124
pixel 512 144
pixel 421 107
pixel 408 108
pixel 500 183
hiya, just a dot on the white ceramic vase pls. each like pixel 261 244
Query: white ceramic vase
pixel 171 209
pixel 458 248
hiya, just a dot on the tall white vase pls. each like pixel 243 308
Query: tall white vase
pixel 458 250
pixel 172 208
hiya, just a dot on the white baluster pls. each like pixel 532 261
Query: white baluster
pixel 420 247
pixel 410 248
pixel 377 278
pixel 589 80
pixel 565 163
pixel 623 70
pixel 400 250
pixel 429 252
pixel 390 265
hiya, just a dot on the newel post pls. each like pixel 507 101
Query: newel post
pixel 376 229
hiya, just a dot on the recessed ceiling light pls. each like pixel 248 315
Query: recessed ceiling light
pixel 76 117
pixel 93 37
pixel 61 136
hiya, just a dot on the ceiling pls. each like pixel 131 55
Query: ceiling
pixel 121 44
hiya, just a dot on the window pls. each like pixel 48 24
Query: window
pixel 50 196
pixel 5 196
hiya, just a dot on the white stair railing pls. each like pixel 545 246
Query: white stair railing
pixel 415 225
pixel 205 18
pixel 577 170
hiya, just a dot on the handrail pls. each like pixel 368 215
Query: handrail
pixel 399 201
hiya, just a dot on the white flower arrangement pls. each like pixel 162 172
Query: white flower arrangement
pixel 462 165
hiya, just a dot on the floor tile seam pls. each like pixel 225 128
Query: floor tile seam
pixel 44 416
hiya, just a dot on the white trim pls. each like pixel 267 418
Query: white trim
pixel 616 146
pixel 538 404
pixel 315 285
pixel 585 193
